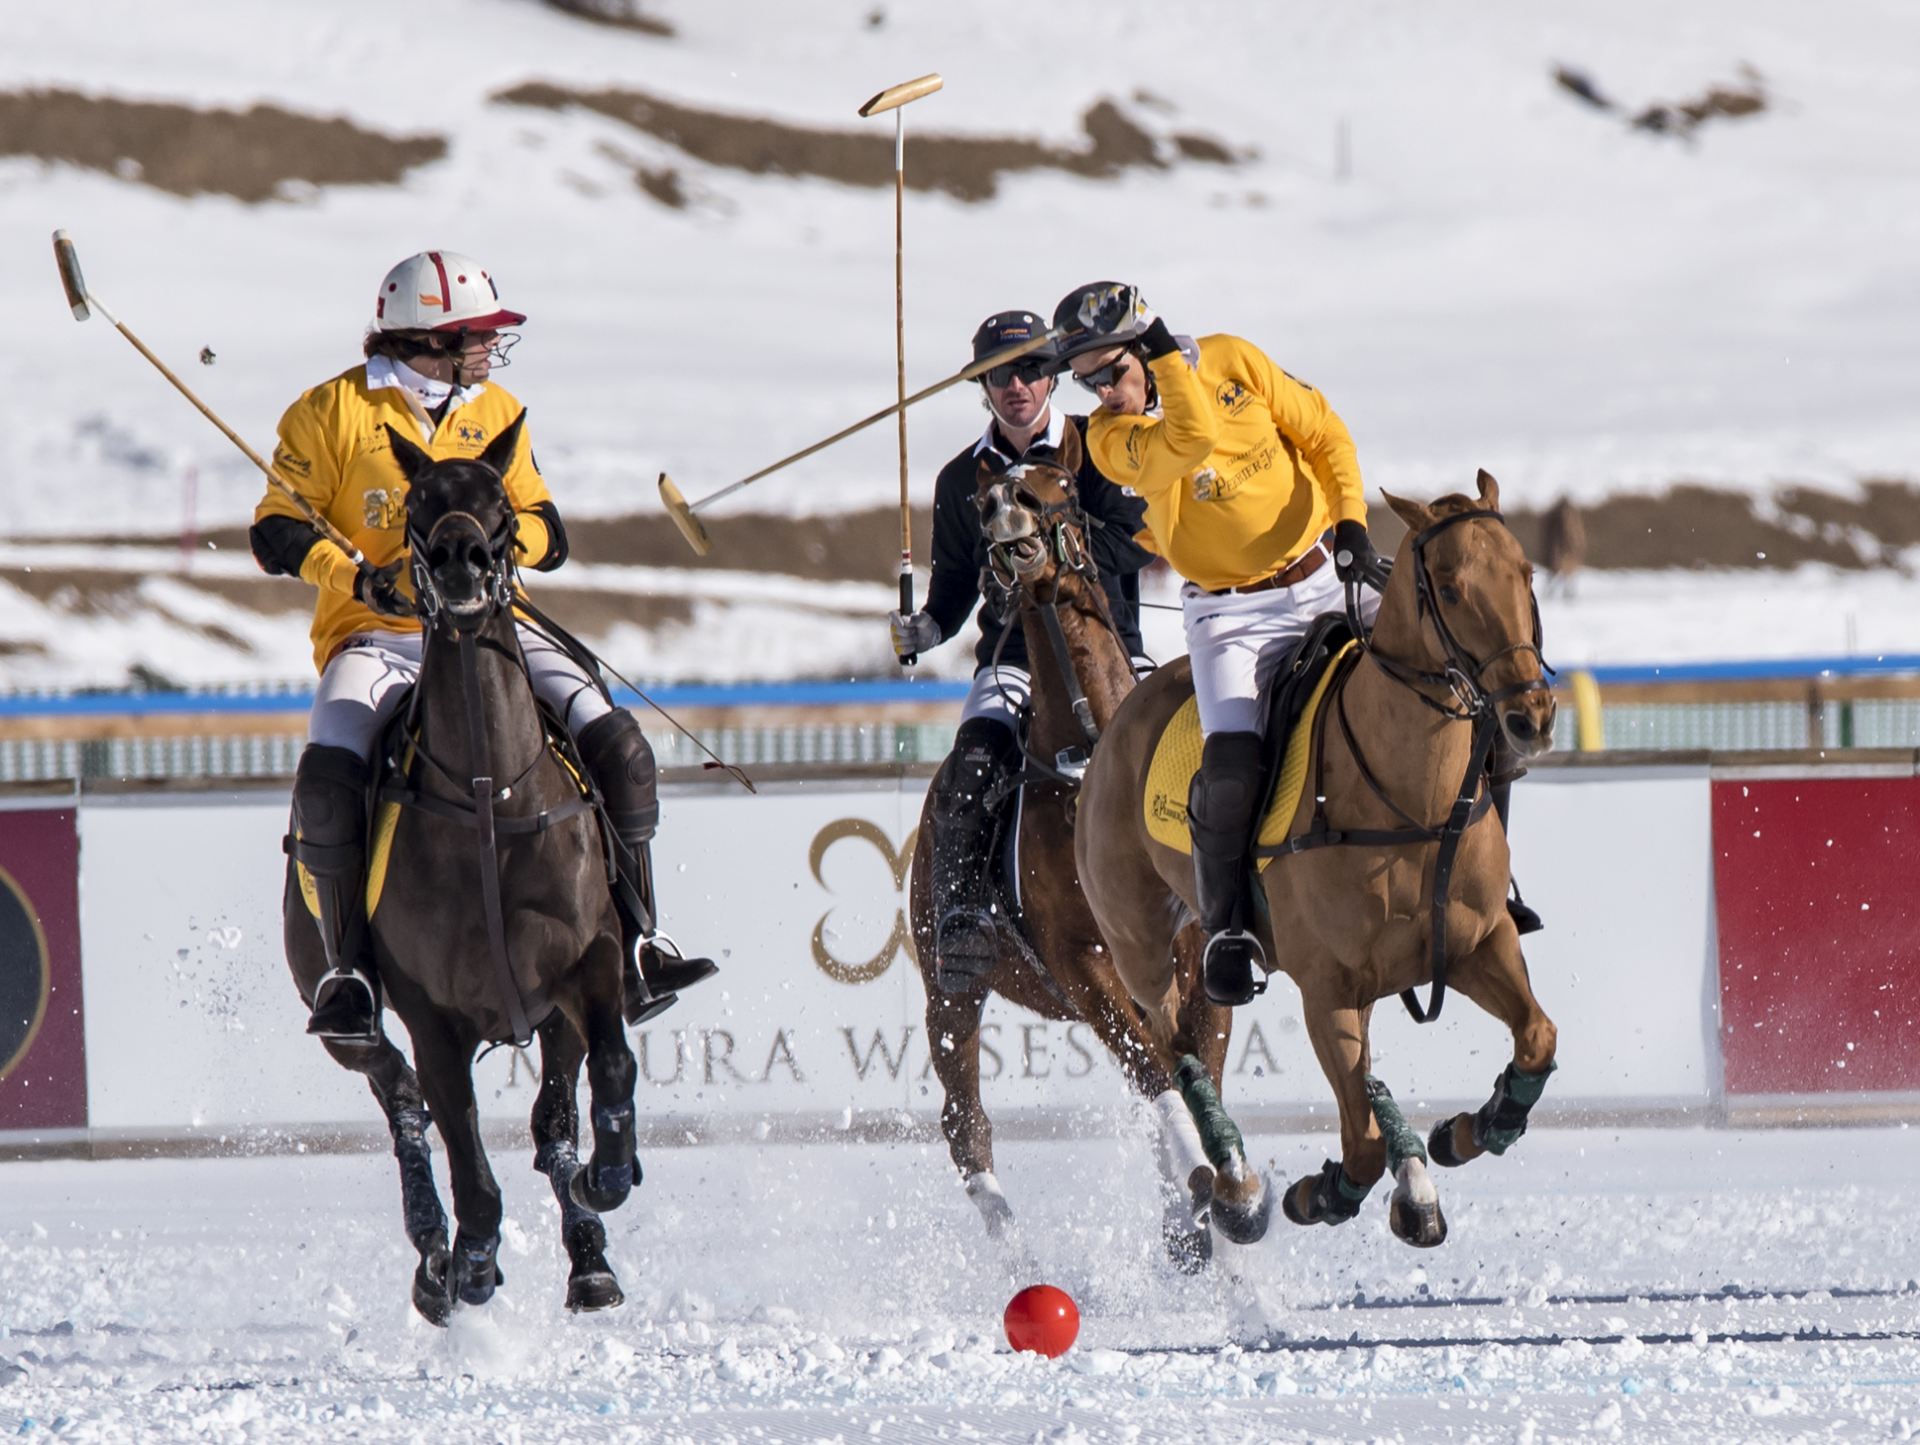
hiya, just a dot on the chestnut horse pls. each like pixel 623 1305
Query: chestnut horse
pixel 1059 967
pixel 1454 656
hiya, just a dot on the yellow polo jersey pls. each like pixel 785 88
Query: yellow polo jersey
pixel 334 451
pixel 1243 469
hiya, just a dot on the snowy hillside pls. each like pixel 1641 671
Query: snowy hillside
pixel 1486 271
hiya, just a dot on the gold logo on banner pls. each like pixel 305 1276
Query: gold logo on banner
pixel 898 863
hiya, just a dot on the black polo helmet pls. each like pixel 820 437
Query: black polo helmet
pixel 1077 338
pixel 1010 328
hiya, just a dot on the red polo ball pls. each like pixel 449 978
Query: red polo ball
pixel 1043 1319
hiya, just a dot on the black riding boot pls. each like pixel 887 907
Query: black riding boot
pixel 330 838
pixel 1524 918
pixel 966 935
pixel 1221 802
pixel 621 764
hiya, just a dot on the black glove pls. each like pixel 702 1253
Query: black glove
pixel 1354 559
pixel 379 593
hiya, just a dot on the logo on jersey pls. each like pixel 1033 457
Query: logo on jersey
pixel 470 433
pixel 1232 398
pixel 384 510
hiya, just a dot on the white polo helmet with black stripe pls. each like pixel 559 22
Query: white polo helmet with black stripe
pixel 441 291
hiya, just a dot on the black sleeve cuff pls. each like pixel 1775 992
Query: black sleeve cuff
pixel 280 544
pixel 556 536
pixel 1158 341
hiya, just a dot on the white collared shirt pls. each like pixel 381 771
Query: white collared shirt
pixel 1056 433
pixel 384 371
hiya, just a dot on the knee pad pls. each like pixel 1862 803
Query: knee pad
pixel 329 793
pixel 1224 793
pixel 620 759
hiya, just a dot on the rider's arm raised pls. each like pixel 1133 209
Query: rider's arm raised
pixel 1303 417
pixel 1153 456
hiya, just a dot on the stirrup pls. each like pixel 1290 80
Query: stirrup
pixel 345 1008
pixel 1525 920
pixel 674 972
pixel 1233 968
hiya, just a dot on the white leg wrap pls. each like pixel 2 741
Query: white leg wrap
pixel 1413 1183
pixel 990 1199
pixel 1184 1151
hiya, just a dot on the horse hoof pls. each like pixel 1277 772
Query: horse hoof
pixel 1244 1223
pixel 430 1293
pixel 991 1200
pixel 594 1290
pixel 1440 1145
pixel 1413 1209
pixel 476 1270
pixel 603 1188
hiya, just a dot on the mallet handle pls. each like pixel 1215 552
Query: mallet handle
pixel 980 367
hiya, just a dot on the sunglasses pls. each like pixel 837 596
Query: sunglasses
pixel 1109 375
pixel 1003 375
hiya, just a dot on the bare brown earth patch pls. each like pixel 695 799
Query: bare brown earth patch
pixel 1677 117
pixel 252 155
pixel 621 14
pixel 967 167
pixel 594 614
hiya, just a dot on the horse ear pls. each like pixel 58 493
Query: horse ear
pixel 1071 452
pixel 1417 517
pixel 412 460
pixel 499 452
pixel 1489 490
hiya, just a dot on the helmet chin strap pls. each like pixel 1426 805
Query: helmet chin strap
pixel 986 393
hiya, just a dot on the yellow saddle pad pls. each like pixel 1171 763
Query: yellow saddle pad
pixel 1177 758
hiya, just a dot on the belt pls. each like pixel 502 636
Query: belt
pixel 1298 570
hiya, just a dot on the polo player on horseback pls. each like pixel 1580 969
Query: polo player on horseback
pixel 1024 424
pixel 437 334
pixel 1252 486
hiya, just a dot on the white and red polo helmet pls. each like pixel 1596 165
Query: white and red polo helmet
pixel 441 291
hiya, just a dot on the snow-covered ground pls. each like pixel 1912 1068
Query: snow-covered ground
pixel 1655 1285
pixel 1506 277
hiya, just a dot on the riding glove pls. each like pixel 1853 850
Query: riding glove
pixel 1354 559
pixel 379 593
pixel 914 635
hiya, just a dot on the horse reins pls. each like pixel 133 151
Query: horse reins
pixel 1474 704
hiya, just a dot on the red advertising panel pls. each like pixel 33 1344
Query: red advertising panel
pixel 43 1052
pixel 1817 887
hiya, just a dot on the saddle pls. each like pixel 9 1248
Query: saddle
pixel 1290 700
pixel 388 787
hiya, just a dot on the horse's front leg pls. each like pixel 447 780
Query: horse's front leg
pixel 1338 1032
pixel 591 1284
pixel 953 1033
pixel 1494 976
pixel 446 1076
pixel 603 1183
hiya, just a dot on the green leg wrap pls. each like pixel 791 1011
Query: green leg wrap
pixel 1219 1135
pixel 1503 1118
pixel 1402 1142
pixel 1354 1194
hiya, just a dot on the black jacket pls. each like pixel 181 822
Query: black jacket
pixel 960 548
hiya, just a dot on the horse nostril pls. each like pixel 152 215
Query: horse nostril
pixel 1521 727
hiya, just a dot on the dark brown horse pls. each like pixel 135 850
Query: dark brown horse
pixel 477 777
pixel 1353 910
pixel 1054 962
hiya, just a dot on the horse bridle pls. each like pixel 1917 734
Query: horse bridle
pixel 1462 674
pixel 1059 535
pixel 497 591
pixel 1474 703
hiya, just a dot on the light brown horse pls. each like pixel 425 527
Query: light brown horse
pixel 1039 559
pixel 1454 657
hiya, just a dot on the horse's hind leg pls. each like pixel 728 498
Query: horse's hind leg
pixel 603 1183
pixel 1494 976
pixel 397 1088
pixel 556 1134
pixel 446 1077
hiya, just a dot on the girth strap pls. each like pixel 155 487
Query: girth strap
pixel 468 817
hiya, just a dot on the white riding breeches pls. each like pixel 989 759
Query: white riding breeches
pixel 1237 639
pixel 365 680
pixel 1001 693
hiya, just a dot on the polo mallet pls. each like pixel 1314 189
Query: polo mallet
pixel 896 99
pixel 81 299
pixel 682 511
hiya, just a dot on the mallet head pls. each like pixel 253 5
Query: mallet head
pixel 683 518
pixel 895 96
pixel 68 260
